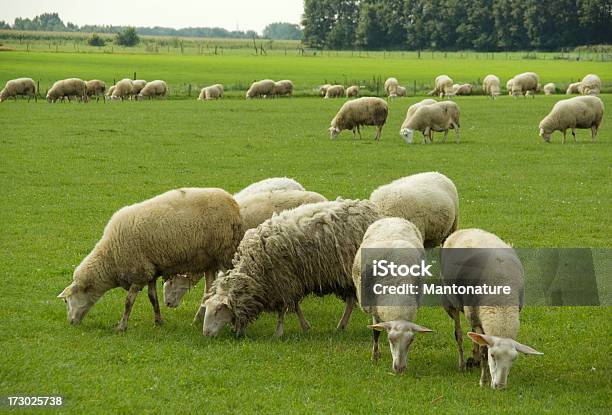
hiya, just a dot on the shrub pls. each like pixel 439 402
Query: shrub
pixel 127 37
pixel 96 40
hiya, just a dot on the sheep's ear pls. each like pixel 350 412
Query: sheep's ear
pixel 68 291
pixel 380 326
pixel 526 349
pixel 481 339
pixel 419 329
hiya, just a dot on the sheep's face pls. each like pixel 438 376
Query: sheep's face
pixel 400 334
pixel 545 135
pixel 78 300
pixel 175 288
pixel 407 134
pixel 502 352
pixel 217 314
pixel 333 132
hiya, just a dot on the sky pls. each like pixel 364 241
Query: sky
pixel 229 14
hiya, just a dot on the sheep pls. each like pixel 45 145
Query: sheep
pixel 137 86
pixel 67 88
pixel 264 88
pixel 509 86
pixel 491 86
pixel 573 88
pixel 549 88
pixel 123 89
pixel 412 109
pixel 429 200
pixel 400 241
pixel 19 87
pixel 284 87
pixel 268 185
pixel 443 86
pixel 220 88
pixel 109 93
pixel 96 88
pixel 209 93
pixel 390 86
pixel 358 112
pixel 302 251
pixel 334 91
pixel 188 230
pixel 440 116
pixel 154 89
pixel 590 85
pixel 525 84
pixel 400 91
pixel 323 89
pixel 461 89
pixel 484 258
pixel 352 91
pixel 578 112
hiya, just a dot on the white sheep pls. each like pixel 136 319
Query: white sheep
pixel 390 86
pixel 443 86
pixel 19 87
pixel 352 91
pixel 268 185
pixel 440 116
pixel 67 88
pixel 429 200
pixel 109 93
pixel 323 89
pixel 209 93
pixel 491 85
pixel 137 86
pixel 397 240
pixel 573 88
pixel 220 88
pixel 578 112
pixel 358 112
pixel 284 87
pixel 334 91
pixel 525 84
pixel 509 86
pixel 550 88
pixel 412 109
pixel 187 230
pixel 400 91
pixel 96 88
pixel 590 85
pixel 263 88
pixel 123 89
pixel 154 89
pixel 461 89
pixel 483 258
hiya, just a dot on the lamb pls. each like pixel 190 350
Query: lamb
pixel 334 91
pixel 590 85
pixel 525 84
pixel 264 88
pixel 573 88
pixel 188 230
pixel 578 112
pixel 19 87
pixel 137 86
pixel 209 93
pixel 550 88
pixel 123 89
pixel 440 116
pixel 323 89
pixel 154 89
pixel 461 89
pixel 443 86
pixel 429 200
pixel 352 91
pixel 484 258
pixel 284 87
pixel 358 112
pixel 67 88
pixel 96 88
pixel 402 243
pixel 268 185
pixel 306 250
pixel 491 86
pixel 390 86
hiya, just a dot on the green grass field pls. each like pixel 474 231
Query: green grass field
pixel 66 168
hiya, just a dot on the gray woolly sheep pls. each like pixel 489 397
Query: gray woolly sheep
pixel 186 230
pixel 440 116
pixel 323 89
pixel 358 112
pixel 284 87
pixel 390 86
pixel 577 112
pixel 590 85
pixel 525 84
pixel 67 88
pixel 123 89
pixel 573 88
pixel 491 86
pixel 485 259
pixel 137 86
pixel 19 87
pixel 95 88
pixel 154 89
pixel 334 91
pixel 429 200
pixel 549 89
pixel 443 86
pixel 264 89
pixel 302 251
pixel 209 92
pixel 400 241
pixel 352 91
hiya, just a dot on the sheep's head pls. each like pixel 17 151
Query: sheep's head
pixel 407 134
pixel 400 334
pixel 545 134
pixel 333 132
pixel 175 289
pixel 79 300
pixel 3 95
pixel 217 315
pixel 502 352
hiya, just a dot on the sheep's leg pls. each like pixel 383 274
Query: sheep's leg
pixel 280 324
pixel 303 322
pixel 593 133
pixel 350 303
pixel 375 349
pixel 354 133
pixel 129 303
pixel 154 301
pixel 454 314
pixel 476 359
pixel 484 367
pixel 574 134
pixel 457 135
pixel 445 135
pixel 359 132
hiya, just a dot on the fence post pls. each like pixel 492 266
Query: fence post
pixel 414 87
pixel 189 90
pixel 134 76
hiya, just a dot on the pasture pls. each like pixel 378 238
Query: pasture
pixel 66 168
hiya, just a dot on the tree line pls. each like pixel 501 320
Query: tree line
pixel 482 25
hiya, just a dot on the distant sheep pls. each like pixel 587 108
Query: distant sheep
pixel 210 92
pixel 123 89
pixel 19 87
pixel 549 89
pixel 68 88
pixel 590 85
pixel 509 84
pixel 443 86
pixel 154 89
pixel 335 91
pixel 358 112
pixel 440 116
pixel 462 89
pixel 491 85
pixel 400 91
pixel 390 86
pixel 219 88
pixel 577 112
pixel 573 88
pixel 525 84
pixel 323 89
pixel 95 88
pixel 261 89
pixel 282 88
pixel 429 200
pixel 137 86
pixel 109 93
pixel 352 91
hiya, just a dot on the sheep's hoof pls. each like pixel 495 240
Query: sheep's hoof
pixel 121 328
pixel 471 362
pixel 159 322
pixel 375 356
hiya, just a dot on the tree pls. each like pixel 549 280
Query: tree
pixel 96 40
pixel 127 37
pixel 282 31
pixel 317 22
pixel 370 33
pixel 4 25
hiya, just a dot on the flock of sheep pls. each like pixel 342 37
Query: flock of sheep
pixel 267 247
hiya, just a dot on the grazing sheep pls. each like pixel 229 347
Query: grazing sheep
pixel 334 91
pixel 123 89
pixel 440 116
pixel 509 86
pixel 302 251
pixel 590 85
pixel 352 91
pixel 284 87
pixel 549 89
pixel 573 88
pixel 358 112
pixel 461 89
pixel 390 86
pixel 209 92
pixel 137 86
pixel 19 87
pixel 186 230
pixel 412 109
pixel 67 88
pixel 491 86
pixel 268 185
pixel 154 89
pixel 323 89
pixel 403 244
pixel 263 89
pixel 220 88
pixel 525 84
pixel 429 200
pixel 485 259
pixel 577 112
pixel 96 88
pixel 443 86
pixel 109 93
pixel 400 91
